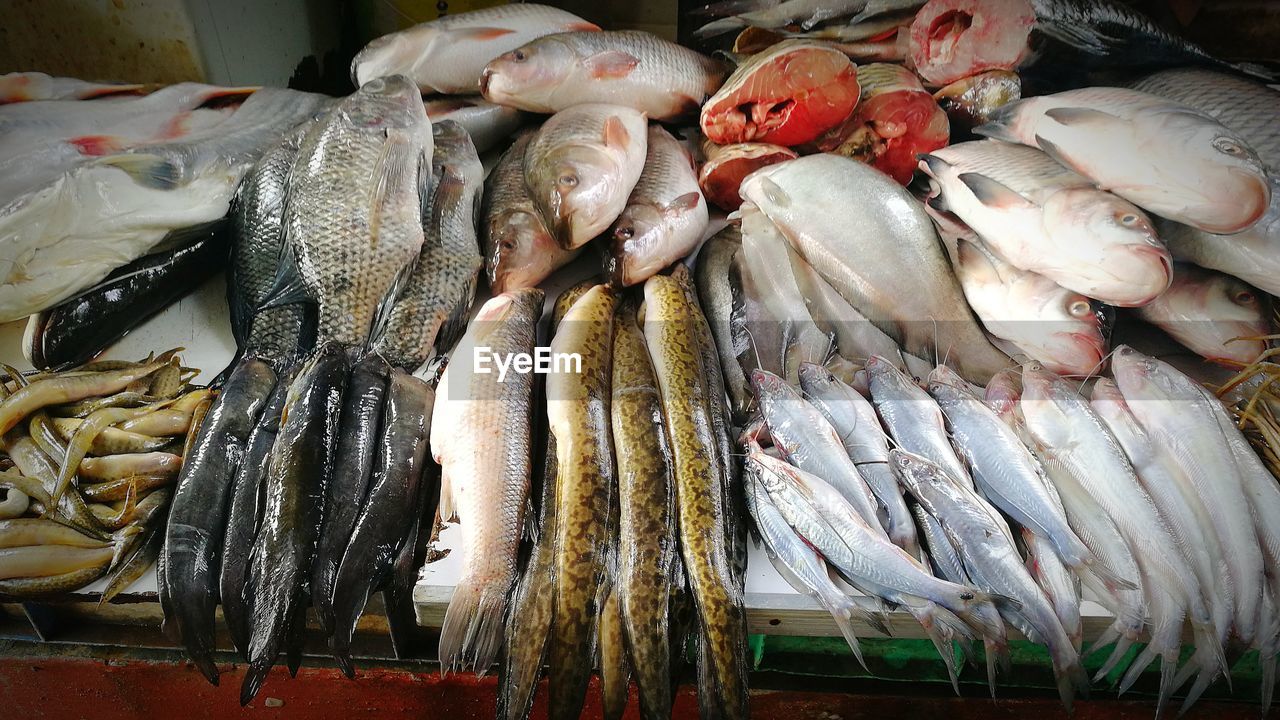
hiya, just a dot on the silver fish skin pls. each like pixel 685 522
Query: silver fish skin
pixel 448 54
pixel 716 296
pixel 855 422
pixel 432 309
pixel 807 13
pixel 665 217
pixel 912 418
pixel 810 443
pixel 855 337
pixel 942 556
pixel 1171 159
pixel 992 561
pixel 1252 255
pixel 353 214
pixel 864 233
pixel 638 69
pixel 1214 315
pixel 581 166
pixel 1044 218
pixel 1058 583
pixel 488 124
pixel 481 434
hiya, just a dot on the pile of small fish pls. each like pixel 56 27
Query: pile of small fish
pixel 967 506
pixel 91 455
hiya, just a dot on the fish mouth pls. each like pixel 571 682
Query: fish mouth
pixel 944 34
pixel 486 77
pixel 1257 199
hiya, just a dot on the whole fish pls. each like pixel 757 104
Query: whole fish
pixel 519 251
pixel 913 418
pixel 363 405
pixel 195 527
pixel 582 165
pixel 481 437
pixel 1170 159
pixel 665 217
pixel 294 490
pixel 578 411
pixel 647 520
pixel 73 332
pixel 863 233
pixel 970 101
pixel 27 86
pixel 636 69
pixel 854 420
pixel 787 95
pixel 257 217
pixel 806 13
pixel 699 489
pixel 352 218
pixel 716 296
pixel 388 510
pixel 1215 315
pixel 1054 326
pixel 724 167
pixel 447 55
pixel 432 310
pixel 1044 218
pixel 1250 255
pixel 488 124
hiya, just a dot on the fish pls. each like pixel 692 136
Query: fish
pixel 1172 160
pixel 770 99
pixel 76 330
pixel 664 219
pixel 19 532
pixel 578 414
pixel 953 39
pixel 912 418
pixel 806 13
pixel 111 440
pixel 447 55
pixel 859 29
pixel 855 422
pixel 834 210
pixel 1057 582
pixel 397 594
pixel 1063 330
pixel 1044 218
pixel 485 473
pixel 970 101
pixel 38 561
pixel 27 86
pixel 352 215
pixel 1215 315
pixel 488 124
pixel 895 121
pixel 700 505
pixel 647 519
pixel 114 467
pixel 1249 255
pixel 716 296
pixel 431 312
pixel 725 166
pixel 59 389
pixel 257 227
pixel 194 531
pixel 581 166
pixel 363 406
pixel 293 504
pixel 637 69
pixel 519 251
pixel 387 511
pixel 133 565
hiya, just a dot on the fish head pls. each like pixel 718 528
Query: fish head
pixel 814 377
pixel 520 252
pixel 1135 266
pixel 640 228
pixel 385 102
pixel 530 73
pixel 1221 178
pixel 1219 316
pixel 573 186
pixel 1067 329
pixel 1047 402
pixel 914 471
pixel 1141 376
pixel 885 375
pixel 1003 392
pixel 768 387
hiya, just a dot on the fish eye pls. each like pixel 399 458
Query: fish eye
pixel 966 595
pixel 568 180
pixel 1080 308
pixel 508 244
pixel 1244 297
pixel 518 55
pixel 1227 146
pixel 1128 219
pixel 626 233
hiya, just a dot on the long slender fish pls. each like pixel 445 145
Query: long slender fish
pixel 716 295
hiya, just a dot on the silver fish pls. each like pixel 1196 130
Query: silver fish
pixel 487 123
pixel 1058 583
pixel 1252 255
pixel 716 295
pixel 1215 315
pixel 912 418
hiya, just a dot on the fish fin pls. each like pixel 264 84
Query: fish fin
pixel 611 64
pixel 1077 116
pixel 393 167
pixel 774 192
pixel 615 133
pixel 446 508
pixel 1268 683
pixel 146 169
pixel 479 33
pixel 997 129
pixel 994 194
pixel 1052 150
pixel 471 634
pixel 96 145
pixel 844 621
pixel 687 201
pixel 583 26
pixel 933 165
pixel 1140 663
pixel 719 27
pixel 287 288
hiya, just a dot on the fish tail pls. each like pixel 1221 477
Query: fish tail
pixel 980 613
pixel 1109 579
pixel 1071 680
pixel 1268 682
pixel 472 631
pixel 940 630
pixel 719 27
pixel 844 620
pixel 1210 650
pixel 1140 663
pixel 254 676
pixel 993 653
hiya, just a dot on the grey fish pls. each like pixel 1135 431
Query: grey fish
pixel 431 311
pixel 912 418
pixel 352 217
pixel 488 124
pixel 716 295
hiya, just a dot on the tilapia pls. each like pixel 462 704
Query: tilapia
pixel 519 251
pixel 28 86
pixel 352 218
pixel 699 490
pixel 481 436
pixel 1046 219
pixel 864 233
pixel 1170 159
pixel 431 311
pixel 447 55
pixel 196 521
pixel 716 296
pixel 970 101
pixel 665 217
pixel 632 68
pixel 488 124
pixel 1215 315
pixel 1059 328
pixel 724 167
pixel 856 425
pixel 582 165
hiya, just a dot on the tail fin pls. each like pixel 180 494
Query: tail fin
pixel 943 627
pixel 1109 579
pixel 842 617
pixel 254 676
pixel 1268 683
pixel 472 632
pixel 1070 681
pixel 719 27
pixel 981 615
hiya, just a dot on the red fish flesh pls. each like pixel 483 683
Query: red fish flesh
pixel 727 165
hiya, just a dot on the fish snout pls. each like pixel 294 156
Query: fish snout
pixel 1254 199
pixel 486 78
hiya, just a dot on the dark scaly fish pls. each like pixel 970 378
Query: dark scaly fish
pixel 194 534
pixel 294 486
pixel 716 295
pixel 397 596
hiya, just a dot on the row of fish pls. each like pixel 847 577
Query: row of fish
pixel 91 456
